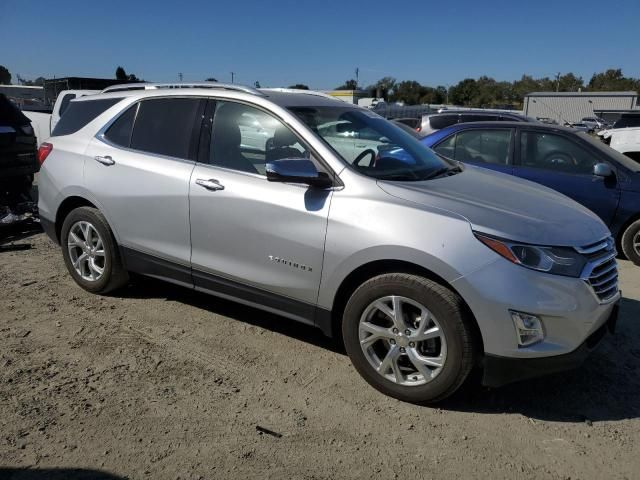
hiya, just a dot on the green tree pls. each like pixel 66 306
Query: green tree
pixel 5 75
pixel 464 92
pixel 348 85
pixel 613 80
pixel 299 86
pixel 409 92
pixel 122 75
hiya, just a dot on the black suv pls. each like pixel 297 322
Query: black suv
pixel 18 158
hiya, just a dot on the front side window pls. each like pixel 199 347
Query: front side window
pixel 555 152
pixel 245 138
pixel 486 146
pixel 165 126
pixel 370 144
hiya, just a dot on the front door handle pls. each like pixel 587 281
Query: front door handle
pixel 106 160
pixel 210 184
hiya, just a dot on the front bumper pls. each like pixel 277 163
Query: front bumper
pixel 499 371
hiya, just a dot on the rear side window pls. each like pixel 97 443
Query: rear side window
pixel 120 131
pixel 165 126
pixel 438 122
pixel 79 114
pixel 64 103
pixel 465 118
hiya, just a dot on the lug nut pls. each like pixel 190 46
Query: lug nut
pixel 411 344
pixel 395 330
pixel 407 332
pixel 392 341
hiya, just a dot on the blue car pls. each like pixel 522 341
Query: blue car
pixel 573 163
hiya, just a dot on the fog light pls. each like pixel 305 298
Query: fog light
pixel 528 328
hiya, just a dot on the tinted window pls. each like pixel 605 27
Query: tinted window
pixel 165 126
pixel 627 122
pixel 478 118
pixel 64 103
pixel 486 146
pixel 633 156
pixel 447 148
pixel 80 113
pixel 438 122
pixel 245 138
pixel 120 131
pixel 555 152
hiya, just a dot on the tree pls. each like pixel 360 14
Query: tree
pixel 384 87
pixel 348 85
pixel 256 84
pixel 409 92
pixel 211 79
pixel 464 92
pixel 121 75
pixel 5 75
pixel 299 86
pixel 612 80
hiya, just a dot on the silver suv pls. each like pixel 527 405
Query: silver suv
pixel 424 268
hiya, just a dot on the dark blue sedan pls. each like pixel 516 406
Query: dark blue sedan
pixel 573 163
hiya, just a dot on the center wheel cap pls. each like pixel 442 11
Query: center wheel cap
pixel 402 341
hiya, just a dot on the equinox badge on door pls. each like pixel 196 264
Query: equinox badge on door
pixel 284 261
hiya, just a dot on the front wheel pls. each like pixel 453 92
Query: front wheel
pixel 409 337
pixel 631 242
pixel 90 251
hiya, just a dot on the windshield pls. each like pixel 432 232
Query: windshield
pixel 372 145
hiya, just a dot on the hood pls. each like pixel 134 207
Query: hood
pixel 505 206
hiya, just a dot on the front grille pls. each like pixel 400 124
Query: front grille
pixel 601 273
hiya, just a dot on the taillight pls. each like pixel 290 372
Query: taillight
pixel 44 151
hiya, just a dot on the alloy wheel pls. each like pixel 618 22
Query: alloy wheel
pixel 402 340
pixel 86 251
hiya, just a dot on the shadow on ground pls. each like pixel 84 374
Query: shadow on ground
pixel 606 387
pixel 55 474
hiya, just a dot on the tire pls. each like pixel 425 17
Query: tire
pixel 113 275
pixel 631 242
pixel 446 312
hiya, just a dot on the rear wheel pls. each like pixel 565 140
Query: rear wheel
pixel 409 337
pixel 631 242
pixel 90 251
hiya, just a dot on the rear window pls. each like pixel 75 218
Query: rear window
pixel 119 132
pixel 80 113
pixel 625 122
pixel 64 103
pixel 438 122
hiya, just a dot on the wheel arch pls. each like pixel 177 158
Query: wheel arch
pixel 623 228
pixel 67 206
pixel 379 267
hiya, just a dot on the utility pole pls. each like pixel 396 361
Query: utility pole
pixel 558 82
pixel 357 76
pixel 233 74
pixel 180 76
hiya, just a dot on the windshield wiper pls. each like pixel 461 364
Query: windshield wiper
pixel 442 171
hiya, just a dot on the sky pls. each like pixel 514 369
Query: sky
pixel 280 43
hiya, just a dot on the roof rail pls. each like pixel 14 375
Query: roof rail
pixel 300 90
pixel 157 86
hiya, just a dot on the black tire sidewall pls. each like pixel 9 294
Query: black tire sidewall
pixel 627 242
pixel 90 215
pixel 450 323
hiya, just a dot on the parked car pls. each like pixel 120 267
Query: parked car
pixel 407 128
pixel 436 121
pixel 43 123
pixel 18 161
pixel 624 140
pixel 412 122
pixel 547 120
pixel 579 126
pixel 573 163
pixel 594 123
pixel 424 268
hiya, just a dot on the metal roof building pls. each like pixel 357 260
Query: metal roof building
pixel 573 106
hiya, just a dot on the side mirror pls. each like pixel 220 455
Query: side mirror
pixel 602 170
pixel 297 170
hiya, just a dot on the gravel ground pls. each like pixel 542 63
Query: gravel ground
pixel 160 382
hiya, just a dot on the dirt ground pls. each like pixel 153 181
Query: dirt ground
pixel 160 382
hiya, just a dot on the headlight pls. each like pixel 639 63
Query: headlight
pixel 557 260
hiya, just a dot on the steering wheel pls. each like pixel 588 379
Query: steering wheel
pixel 363 154
pixel 559 159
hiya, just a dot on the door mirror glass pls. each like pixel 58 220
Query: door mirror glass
pixel 602 170
pixel 297 170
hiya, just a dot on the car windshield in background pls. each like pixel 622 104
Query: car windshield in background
pixel 372 145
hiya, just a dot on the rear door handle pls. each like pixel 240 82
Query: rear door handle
pixel 210 184
pixel 106 160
